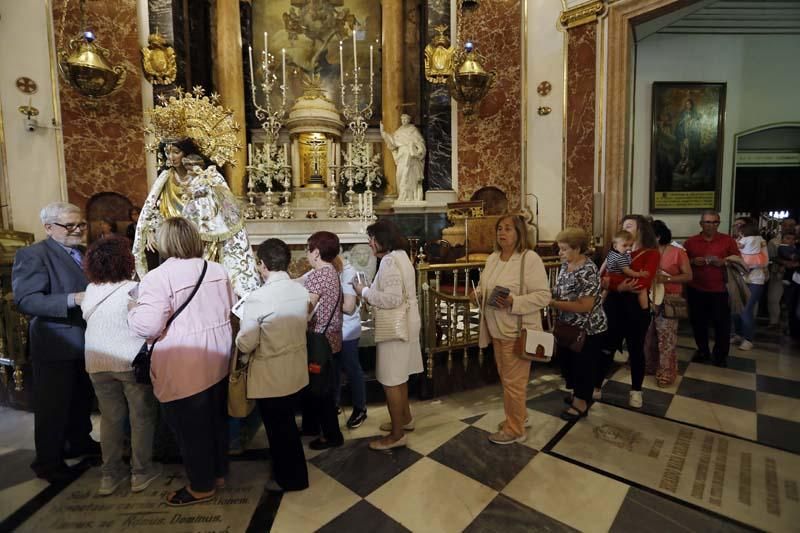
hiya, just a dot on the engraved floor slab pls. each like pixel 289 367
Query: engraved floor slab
pixel 747 482
pixel 78 508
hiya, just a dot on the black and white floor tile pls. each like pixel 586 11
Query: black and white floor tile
pixel 717 451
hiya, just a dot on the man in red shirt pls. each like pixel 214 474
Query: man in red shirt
pixel 707 294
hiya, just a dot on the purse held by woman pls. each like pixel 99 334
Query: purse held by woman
pixel 675 306
pixel 392 324
pixel 141 363
pixel 238 404
pixel 320 357
pixel 568 336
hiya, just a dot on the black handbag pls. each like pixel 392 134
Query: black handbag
pixel 320 357
pixel 141 363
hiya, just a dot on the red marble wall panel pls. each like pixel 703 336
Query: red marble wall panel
pixel 104 147
pixel 580 150
pixel 489 142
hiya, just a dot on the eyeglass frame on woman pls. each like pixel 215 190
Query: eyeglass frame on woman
pixel 72 227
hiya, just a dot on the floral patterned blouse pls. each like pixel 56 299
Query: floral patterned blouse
pixel 581 282
pixel 324 282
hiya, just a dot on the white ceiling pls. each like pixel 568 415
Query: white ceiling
pixel 736 17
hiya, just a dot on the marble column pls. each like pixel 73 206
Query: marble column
pixel 229 81
pixel 580 133
pixel 437 112
pixel 392 81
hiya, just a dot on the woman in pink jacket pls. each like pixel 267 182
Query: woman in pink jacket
pixel 190 359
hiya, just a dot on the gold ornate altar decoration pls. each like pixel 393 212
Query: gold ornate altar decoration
pixel 85 65
pixel 458 66
pixel 158 61
pixel 198 117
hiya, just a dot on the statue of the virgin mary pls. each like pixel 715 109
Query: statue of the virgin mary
pixel 193 131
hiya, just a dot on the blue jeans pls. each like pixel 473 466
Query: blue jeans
pixel 348 359
pixel 744 324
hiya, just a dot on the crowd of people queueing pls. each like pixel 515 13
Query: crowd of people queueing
pixel 89 319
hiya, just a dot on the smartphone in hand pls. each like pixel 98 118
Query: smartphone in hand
pixel 498 292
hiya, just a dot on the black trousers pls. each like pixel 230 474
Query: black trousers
pixel 62 403
pixel 285 447
pixel 200 423
pixel 579 369
pixel 713 308
pixel 319 414
pixel 628 321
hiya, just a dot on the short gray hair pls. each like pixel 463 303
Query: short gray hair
pixel 709 212
pixel 52 212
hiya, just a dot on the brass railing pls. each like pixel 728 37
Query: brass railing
pixel 450 320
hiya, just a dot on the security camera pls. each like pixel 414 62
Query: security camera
pixel 31 124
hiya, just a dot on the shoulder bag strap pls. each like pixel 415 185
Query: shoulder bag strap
pixel 184 304
pixel 521 289
pixel 336 305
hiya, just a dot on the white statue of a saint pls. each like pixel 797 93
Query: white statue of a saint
pixel 408 150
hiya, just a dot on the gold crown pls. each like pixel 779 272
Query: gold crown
pixel 199 118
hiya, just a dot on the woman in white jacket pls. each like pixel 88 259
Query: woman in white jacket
pixel 110 348
pixel 394 286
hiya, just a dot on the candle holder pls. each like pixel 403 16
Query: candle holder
pixel 286 210
pixel 271 120
pixel 267 165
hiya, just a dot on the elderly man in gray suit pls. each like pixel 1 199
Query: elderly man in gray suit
pixel 49 283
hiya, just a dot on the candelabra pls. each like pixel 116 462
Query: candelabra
pixel 360 165
pixel 267 165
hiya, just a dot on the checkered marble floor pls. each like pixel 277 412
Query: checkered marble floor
pixel 734 434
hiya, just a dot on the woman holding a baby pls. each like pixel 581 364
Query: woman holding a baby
pixel 628 313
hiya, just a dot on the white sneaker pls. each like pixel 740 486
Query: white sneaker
pixel 635 399
pixel 736 339
pixel 746 345
pixel 597 395
pixel 139 482
pixel 108 485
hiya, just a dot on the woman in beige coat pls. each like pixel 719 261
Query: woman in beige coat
pixel 273 334
pixel 504 314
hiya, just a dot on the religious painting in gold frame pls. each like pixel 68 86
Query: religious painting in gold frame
pixel 310 32
pixel 686 146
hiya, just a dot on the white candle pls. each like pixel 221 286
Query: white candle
pixel 341 63
pixel 355 54
pixel 370 63
pixel 283 55
pixel 252 78
pixel 361 203
pixel 266 57
pixel 349 153
pixel 285 154
pixel 249 154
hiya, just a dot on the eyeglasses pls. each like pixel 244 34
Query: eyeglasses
pixel 72 227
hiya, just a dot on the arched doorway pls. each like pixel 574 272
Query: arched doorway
pixel 766 173
pixel 109 206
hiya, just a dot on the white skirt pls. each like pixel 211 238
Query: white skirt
pixel 399 359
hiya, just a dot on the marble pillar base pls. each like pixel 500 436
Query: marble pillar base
pixel 440 197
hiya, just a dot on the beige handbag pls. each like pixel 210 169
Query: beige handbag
pixel 238 404
pixel 392 324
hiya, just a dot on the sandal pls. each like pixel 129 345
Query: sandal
pixel 571 417
pixel 183 497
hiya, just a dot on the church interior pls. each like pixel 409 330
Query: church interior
pixel 441 116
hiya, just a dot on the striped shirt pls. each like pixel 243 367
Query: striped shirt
pixel 616 261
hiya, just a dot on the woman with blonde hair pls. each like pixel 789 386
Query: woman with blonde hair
pixel 576 296
pixel 508 307
pixel 184 307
